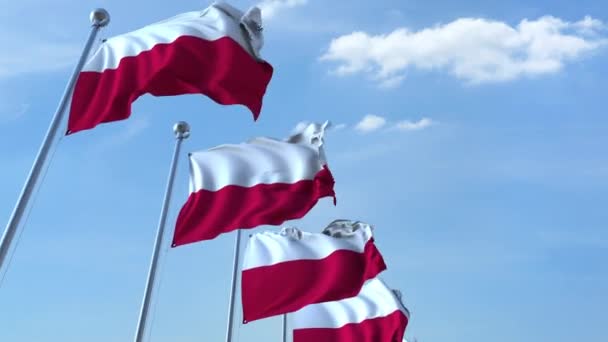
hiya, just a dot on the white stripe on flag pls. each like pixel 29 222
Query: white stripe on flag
pixel 258 161
pixel 217 21
pixel 269 248
pixel 375 300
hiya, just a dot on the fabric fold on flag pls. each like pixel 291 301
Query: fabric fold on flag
pixel 283 272
pixel 264 181
pixel 376 314
pixel 214 52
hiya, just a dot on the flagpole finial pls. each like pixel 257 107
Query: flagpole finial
pixel 100 17
pixel 181 130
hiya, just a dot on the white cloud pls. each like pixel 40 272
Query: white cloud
pixel 391 82
pixel 589 25
pixel 300 126
pixel 370 123
pixel 472 49
pixel 406 125
pixel 270 8
pixel 339 127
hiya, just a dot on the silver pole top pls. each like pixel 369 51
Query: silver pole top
pixel 181 130
pixel 100 17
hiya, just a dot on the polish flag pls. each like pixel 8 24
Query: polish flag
pixel 283 272
pixel 214 52
pixel 261 182
pixel 376 314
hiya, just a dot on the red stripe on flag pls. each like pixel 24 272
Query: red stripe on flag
pixel 289 286
pixel 220 69
pixel 389 328
pixel 207 214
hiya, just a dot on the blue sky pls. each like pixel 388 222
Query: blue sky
pixel 472 134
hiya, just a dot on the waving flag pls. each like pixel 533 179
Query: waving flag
pixel 214 52
pixel 283 272
pixel 263 181
pixel 376 314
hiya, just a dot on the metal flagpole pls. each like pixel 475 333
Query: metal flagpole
pixel 99 18
pixel 182 131
pixel 284 327
pixel 237 246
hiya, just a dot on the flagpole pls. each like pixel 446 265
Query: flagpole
pixel 237 245
pixel 99 18
pixel 284 327
pixel 182 131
